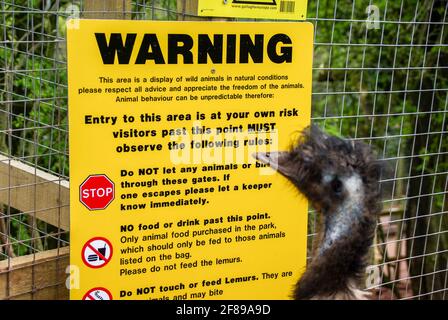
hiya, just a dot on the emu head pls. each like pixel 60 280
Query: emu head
pixel 331 172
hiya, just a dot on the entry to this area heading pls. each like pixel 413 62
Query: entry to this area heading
pixel 117 48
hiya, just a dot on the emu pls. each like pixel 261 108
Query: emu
pixel 340 178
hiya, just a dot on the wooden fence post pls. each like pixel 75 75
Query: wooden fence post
pixel 188 11
pixel 107 9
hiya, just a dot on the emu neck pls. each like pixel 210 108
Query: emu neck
pixel 339 224
pixel 339 260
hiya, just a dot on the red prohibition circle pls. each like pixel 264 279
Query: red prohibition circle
pixel 97 288
pixel 87 244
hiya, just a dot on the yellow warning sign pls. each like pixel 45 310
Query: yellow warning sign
pixel 257 9
pixel 166 198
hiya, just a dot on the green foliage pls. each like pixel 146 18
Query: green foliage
pixel 387 84
pixel 157 10
pixel 18 228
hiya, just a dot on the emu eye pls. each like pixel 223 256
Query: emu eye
pixel 336 185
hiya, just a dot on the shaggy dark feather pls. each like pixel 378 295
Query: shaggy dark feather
pixel 340 179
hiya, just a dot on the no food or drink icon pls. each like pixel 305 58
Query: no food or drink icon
pixel 97 252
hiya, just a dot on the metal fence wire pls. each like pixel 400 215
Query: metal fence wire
pixel 379 75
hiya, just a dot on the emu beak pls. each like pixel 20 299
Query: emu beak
pixel 276 160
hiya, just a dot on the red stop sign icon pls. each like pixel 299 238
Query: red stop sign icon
pixel 97 192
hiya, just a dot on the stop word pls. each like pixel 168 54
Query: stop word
pixel 97 192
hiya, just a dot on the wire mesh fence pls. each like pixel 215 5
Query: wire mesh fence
pixel 379 75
